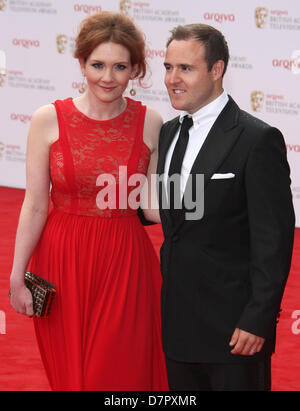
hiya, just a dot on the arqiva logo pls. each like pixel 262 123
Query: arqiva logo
pixel 150 53
pixel 24 118
pixel 77 85
pixel 219 17
pixel 86 8
pixel 26 43
pixel 293 64
pixel 293 148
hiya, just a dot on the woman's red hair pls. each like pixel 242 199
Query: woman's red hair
pixel 115 27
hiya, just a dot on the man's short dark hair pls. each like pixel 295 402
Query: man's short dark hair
pixel 216 47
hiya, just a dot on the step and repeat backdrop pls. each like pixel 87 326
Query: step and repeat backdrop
pixel 37 66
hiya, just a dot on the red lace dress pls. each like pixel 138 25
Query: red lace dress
pixel 104 329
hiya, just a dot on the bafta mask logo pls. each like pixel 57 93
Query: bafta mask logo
pixel 296 62
pixel 2 67
pixel 261 14
pixel 2 5
pixel 125 6
pixel 257 99
pixel 2 148
pixel 61 43
pixel 2 78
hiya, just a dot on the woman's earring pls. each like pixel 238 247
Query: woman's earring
pixel 82 88
pixel 133 90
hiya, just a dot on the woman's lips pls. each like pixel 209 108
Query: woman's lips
pixel 107 89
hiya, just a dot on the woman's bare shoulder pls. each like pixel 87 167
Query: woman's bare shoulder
pixel 45 113
pixel 44 124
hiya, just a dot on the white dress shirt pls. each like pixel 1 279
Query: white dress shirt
pixel 203 121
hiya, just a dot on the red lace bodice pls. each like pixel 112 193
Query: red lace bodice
pixel 89 150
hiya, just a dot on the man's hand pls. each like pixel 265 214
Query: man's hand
pixel 245 343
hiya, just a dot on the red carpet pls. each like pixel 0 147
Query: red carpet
pixel 20 364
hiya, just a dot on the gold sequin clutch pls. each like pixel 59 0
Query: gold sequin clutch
pixel 42 292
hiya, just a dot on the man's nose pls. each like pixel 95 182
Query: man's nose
pixel 173 76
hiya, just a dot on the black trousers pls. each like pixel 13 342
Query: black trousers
pixel 249 376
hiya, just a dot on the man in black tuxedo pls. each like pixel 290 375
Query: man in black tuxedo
pixel 224 271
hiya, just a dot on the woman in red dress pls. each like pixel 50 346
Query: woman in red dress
pixel 103 332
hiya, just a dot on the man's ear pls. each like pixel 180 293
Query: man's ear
pixel 218 69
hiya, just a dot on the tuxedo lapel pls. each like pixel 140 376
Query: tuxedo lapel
pixel 218 144
pixel 166 139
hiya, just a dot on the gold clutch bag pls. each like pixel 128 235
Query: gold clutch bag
pixel 43 294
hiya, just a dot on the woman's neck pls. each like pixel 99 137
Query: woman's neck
pixel 96 109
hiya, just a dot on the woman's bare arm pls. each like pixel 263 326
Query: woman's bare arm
pixel 149 201
pixel 43 131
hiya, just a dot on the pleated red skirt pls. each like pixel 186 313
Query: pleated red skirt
pixel 104 329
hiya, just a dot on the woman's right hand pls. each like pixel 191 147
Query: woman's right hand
pixel 21 299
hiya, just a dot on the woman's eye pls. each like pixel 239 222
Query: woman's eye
pixel 120 67
pixel 97 65
pixel 101 65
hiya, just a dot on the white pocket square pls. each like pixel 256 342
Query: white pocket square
pixel 220 176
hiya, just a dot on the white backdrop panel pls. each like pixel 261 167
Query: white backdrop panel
pixel 37 38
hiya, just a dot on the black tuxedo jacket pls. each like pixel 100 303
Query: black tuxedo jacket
pixel 229 268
